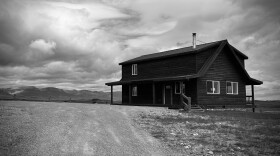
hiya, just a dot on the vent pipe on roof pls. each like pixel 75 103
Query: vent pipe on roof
pixel 194 40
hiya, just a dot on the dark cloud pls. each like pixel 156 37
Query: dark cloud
pixel 79 44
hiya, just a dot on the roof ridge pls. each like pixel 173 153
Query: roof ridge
pixel 182 48
pixel 169 52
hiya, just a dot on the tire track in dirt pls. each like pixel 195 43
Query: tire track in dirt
pixel 81 129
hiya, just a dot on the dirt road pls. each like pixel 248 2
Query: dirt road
pixel 41 128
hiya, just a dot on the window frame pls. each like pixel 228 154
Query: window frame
pixel 231 84
pixel 134 91
pixel 180 87
pixel 134 70
pixel 213 82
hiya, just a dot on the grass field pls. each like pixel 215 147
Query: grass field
pixel 215 132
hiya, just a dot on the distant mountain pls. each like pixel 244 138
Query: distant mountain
pixel 56 94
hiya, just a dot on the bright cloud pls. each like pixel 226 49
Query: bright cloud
pixel 78 44
pixel 40 49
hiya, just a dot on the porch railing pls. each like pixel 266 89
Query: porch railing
pixel 250 103
pixel 186 102
pixel 249 99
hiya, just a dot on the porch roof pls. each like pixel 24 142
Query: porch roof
pixel 174 78
pixel 253 81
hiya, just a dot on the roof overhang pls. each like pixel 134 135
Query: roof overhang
pixel 239 52
pixel 164 79
pixel 254 82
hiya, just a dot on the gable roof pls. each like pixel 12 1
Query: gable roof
pixel 189 50
pixel 180 51
pixel 213 57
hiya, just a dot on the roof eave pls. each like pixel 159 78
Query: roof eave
pixel 255 82
pixel 239 52
pixel 184 77
pixel 116 83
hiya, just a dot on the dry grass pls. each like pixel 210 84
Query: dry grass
pixel 214 132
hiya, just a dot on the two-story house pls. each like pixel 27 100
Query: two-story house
pixel 211 74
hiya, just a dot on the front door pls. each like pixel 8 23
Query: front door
pixel 168 94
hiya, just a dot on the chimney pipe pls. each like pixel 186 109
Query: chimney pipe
pixel 194 40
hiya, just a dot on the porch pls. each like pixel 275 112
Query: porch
pixel 165 93
pixel 170 93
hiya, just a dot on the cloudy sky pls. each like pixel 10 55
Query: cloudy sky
pixel 77 44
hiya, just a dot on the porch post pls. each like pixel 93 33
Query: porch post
pixel 253 98
pixel 154 95
pixel 111 94
pixel 129 94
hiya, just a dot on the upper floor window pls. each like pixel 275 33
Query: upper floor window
pixel 134 91
pixel 213 87
pixel 232 87
pixel 134 69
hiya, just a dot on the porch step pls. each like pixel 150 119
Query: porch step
pixel 196 108
pixel 174 107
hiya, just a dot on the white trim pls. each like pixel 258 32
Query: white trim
pixel 134 90
pixel 231 83
pixel 236 88
pixel 183 88
pixel 180 87
pixel 163 88
pixel 213 92
pixel 134 69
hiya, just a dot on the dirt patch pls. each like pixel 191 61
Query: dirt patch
pixel 46 128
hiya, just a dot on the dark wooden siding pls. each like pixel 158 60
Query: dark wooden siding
pixel 144 94
pixel 125 94
pixel 223 69
pixel 191 90
pixel 203 56
pixel 159 93
pixel 174 66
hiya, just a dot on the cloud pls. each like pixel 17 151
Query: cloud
pixel 42 45
pixel 79 43
pixel 40 49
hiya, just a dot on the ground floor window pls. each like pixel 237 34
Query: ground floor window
pixel 179 87
pixel 134 91
pixel 183 88
pixel 232 87
pixel 213 87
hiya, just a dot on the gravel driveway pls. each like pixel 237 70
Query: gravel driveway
pixel 44 128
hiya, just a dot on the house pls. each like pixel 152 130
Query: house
pixel 211 74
